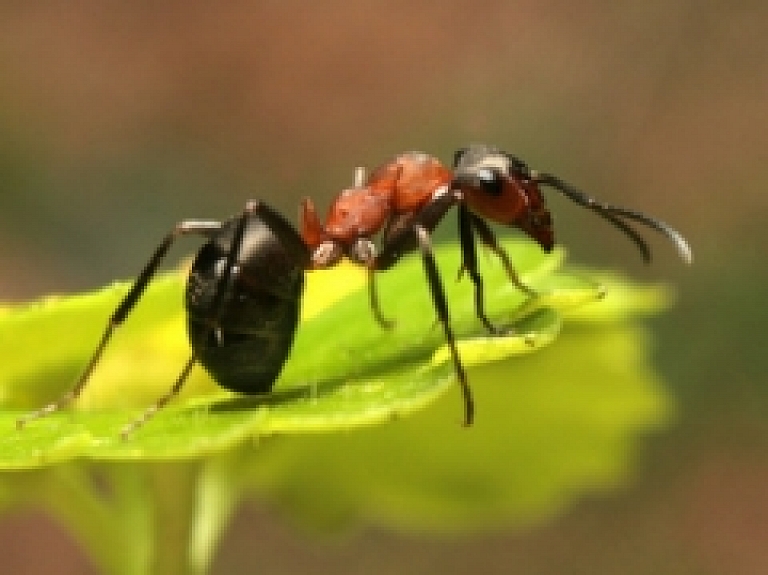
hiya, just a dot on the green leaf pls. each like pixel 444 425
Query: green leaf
pixel 552 420
pixel 344 370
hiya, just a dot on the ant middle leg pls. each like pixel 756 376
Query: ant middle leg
pixel 373 298
pixel 441 307
pixel 398 238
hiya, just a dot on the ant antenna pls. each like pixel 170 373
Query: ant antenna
pixel 614 214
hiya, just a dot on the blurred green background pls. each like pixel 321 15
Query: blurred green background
pixel 119 119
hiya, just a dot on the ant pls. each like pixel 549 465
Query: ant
pixel 245 286
pixel 242 300
pixel 407 197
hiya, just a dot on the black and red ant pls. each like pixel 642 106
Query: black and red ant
pixel 407 197
pixel 244 289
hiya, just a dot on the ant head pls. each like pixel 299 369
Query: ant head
pixel 498 187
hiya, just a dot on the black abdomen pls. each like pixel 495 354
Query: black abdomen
pixel 258 312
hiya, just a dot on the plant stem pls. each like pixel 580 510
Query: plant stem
pixel 174 490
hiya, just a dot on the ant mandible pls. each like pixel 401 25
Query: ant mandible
pixel 408 196
pixel 242 298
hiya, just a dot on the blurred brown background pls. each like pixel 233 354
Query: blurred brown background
pixel 119 119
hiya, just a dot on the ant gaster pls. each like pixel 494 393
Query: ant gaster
pixel 242 299
pixel 408 196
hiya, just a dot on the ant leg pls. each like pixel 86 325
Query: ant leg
pixel 160 403
pixel 469 264
pixel 373 297
pixel 489 240
pixel 398 239
pixel 205 228
pixel 441 306
pixel 226 279
pixel 394 226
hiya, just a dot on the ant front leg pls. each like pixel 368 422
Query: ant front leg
pixel 469 264
pixel 205 228
pixel 489 240
pixel 468 224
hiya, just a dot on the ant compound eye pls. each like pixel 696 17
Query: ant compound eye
pixel 490 181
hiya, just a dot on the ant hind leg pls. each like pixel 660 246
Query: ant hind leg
pixel 124 308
